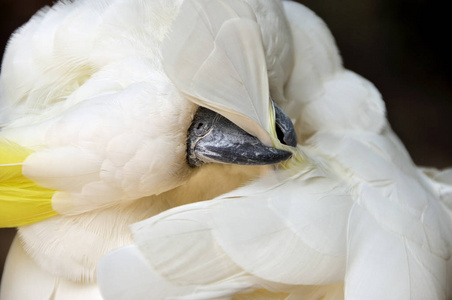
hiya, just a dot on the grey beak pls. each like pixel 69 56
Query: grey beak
pixel 284 128
pixel 213 138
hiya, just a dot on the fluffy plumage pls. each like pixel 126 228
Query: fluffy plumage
pixel 355 210
pixel 102 93
pixel 84 90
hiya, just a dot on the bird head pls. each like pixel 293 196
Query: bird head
pixel 129 108
pixel 119 109
pixel 216 55
pixel 214 139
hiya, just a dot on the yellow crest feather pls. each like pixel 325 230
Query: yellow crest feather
pixel 22 201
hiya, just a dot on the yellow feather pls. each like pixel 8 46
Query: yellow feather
pixel 22 201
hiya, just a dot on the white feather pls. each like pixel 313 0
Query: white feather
pixel 273 234
pixel 382 225
pixel 20 270
pixel 135 274
pixel 277 43
pixel 203 56
pixel 398 230
pixel 88 157
pixel 323 95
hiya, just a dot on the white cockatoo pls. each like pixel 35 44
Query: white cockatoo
pixel 95 135
pixel 117 111
pixel 350 216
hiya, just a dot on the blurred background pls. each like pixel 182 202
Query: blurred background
pixel 402 46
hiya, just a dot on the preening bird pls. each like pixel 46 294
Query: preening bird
pixel 130 113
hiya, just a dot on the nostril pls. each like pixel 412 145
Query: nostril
pixel 200 125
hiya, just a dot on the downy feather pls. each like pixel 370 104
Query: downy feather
pixel 22 270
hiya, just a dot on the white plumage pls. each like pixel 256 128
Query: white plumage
pixel 360 211
pixel 104 92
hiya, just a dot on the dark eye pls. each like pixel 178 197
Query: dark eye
pixel 200 128
pixel 202 122
pixel 199 125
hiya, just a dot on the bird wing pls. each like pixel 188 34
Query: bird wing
pixel 82 150
pixel 441 181
pixel 362 213
pixel 286 229
pixel 398 229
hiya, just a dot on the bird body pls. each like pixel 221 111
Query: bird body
pixel 86 98
pixel 99 95
pixel 350 216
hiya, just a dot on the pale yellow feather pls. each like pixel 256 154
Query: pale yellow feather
pixel 22 201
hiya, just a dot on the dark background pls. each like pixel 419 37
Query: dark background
pixel 402 46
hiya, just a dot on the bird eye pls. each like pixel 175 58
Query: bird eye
pixel 200 128
pixel 199 125
pixel 202 122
